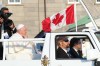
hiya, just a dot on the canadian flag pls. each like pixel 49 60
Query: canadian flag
pixel 59 19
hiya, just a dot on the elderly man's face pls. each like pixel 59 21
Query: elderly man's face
pixel 24 31
pixel 64 44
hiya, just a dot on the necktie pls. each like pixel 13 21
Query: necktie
pixel 69 55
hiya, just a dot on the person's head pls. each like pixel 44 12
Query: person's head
pixel 5 13
pixel 63 42
pixel 76 43
pixel 5 10
pixel 10 24
pixel 21 29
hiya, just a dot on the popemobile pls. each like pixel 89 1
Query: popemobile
pixel 44 49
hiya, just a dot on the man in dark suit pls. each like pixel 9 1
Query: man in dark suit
pixel 63 45
pixel 5 14
pixel 75 48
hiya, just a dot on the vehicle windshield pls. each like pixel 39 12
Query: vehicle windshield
pixel 98 35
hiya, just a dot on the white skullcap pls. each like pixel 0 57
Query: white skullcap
pixel 19 26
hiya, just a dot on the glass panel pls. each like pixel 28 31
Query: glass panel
pixel 17 0
pixel 72 47
pixel 73 0
pixel 23 50
pixel 98 35
pixel 98 0
pixel 70 0
pixel 11 0
pixel 38 51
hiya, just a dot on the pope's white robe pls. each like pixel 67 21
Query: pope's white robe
pixel 19 50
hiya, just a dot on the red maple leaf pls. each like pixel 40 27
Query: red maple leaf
pixel 57 19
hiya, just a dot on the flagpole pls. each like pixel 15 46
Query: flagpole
pixel 75 14
pixel 93 22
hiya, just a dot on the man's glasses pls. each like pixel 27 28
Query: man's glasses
pixel 66 40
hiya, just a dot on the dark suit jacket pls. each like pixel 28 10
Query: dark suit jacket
pixel 74 54
pixel 0 31
pixel 1 47
pixel 61 54
pixel 10 31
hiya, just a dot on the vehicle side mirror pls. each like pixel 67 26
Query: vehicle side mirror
pixel 93 54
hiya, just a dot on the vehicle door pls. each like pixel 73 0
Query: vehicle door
pixel 87 43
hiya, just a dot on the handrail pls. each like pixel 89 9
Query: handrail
pixel 28 39
pixel 35 40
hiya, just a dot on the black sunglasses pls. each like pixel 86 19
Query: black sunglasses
pixel 66 40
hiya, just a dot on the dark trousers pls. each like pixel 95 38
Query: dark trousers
pixel 1 51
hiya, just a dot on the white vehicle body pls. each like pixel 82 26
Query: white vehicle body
pixel 92 55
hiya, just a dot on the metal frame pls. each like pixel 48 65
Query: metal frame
pixel 86 9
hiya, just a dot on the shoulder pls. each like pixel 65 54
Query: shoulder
pixel 72 50
pixel 16 36
pixel 59 49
